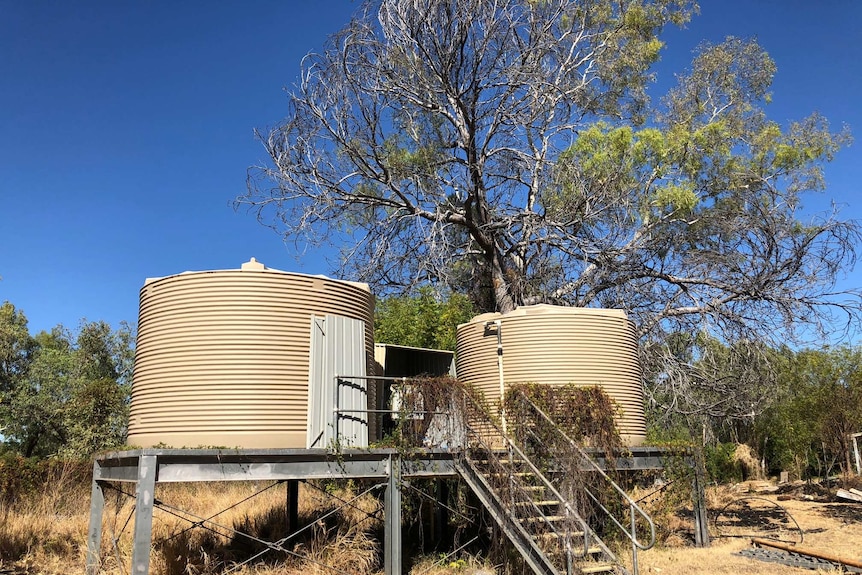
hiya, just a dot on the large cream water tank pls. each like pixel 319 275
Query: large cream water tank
pixel 222 357
pixel 557 345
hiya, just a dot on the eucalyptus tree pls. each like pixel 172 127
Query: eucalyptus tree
pixel 507 148
pixel 16 346
pixel 63 393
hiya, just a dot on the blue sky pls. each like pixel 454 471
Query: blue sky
pixel 126 130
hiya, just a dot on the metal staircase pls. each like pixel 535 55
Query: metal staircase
pixel 526 483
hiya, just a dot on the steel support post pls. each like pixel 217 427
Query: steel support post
pixel 441 516
pixel 292 505
pixel 701 530
pixel 392 511
pixel 144 496
pixel 94 535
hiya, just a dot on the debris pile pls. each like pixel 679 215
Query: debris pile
pixel 850 495
pixel 798 556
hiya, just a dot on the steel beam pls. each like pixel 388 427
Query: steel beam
pixel 258 465
pixel 639 459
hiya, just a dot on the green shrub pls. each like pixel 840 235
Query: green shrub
pixel 721 467
pixel 21 478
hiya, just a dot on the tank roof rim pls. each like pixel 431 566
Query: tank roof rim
pixel 548 310
pixel 360 285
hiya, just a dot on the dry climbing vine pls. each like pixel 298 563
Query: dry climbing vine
pixel 428 412
pixel 557 427
pixel 586 414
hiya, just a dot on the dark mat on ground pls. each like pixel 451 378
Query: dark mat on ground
pixel 793 559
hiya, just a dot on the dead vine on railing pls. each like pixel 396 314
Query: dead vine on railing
pixel 554 425
pixel 428 412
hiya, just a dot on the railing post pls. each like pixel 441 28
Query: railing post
pixel 292 505
pixel 701 530
pixel 855 437
pixel 634 541
pixel 336 399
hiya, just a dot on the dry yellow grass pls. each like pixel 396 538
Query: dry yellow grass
pixel 463 566
pixel 46 533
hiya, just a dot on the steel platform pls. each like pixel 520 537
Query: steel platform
pixel 146 468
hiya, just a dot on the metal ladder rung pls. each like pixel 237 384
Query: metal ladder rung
pixel 516 474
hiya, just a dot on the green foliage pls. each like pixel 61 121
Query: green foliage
pixel 806 430
pixel 64 394
pixel 424 320
pixel 675 436
pixel 796 408
pixel 721 467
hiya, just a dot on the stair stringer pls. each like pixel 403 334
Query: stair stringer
pixel 523 541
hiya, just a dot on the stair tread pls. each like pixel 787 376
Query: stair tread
pixel 549 518
pixel 591 551
pixel 555 535
pixel 597 567
pixel 538 503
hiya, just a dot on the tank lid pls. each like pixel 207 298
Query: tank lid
pixel 547 309
pixel 252 265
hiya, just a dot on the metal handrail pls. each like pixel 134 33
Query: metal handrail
pixel 538 474
pixel 514 450
pixel 633 506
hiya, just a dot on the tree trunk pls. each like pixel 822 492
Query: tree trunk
pixel 502 292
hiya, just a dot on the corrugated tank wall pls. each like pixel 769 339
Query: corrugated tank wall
pixel 558 345
pixel 222 357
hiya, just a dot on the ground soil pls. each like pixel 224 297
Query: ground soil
pixel 806 515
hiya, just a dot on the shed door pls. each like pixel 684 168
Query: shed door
pixel 337 349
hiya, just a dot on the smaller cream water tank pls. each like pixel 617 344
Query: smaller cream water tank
pixel 558 345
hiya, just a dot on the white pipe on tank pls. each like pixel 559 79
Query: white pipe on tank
pixel 499 325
